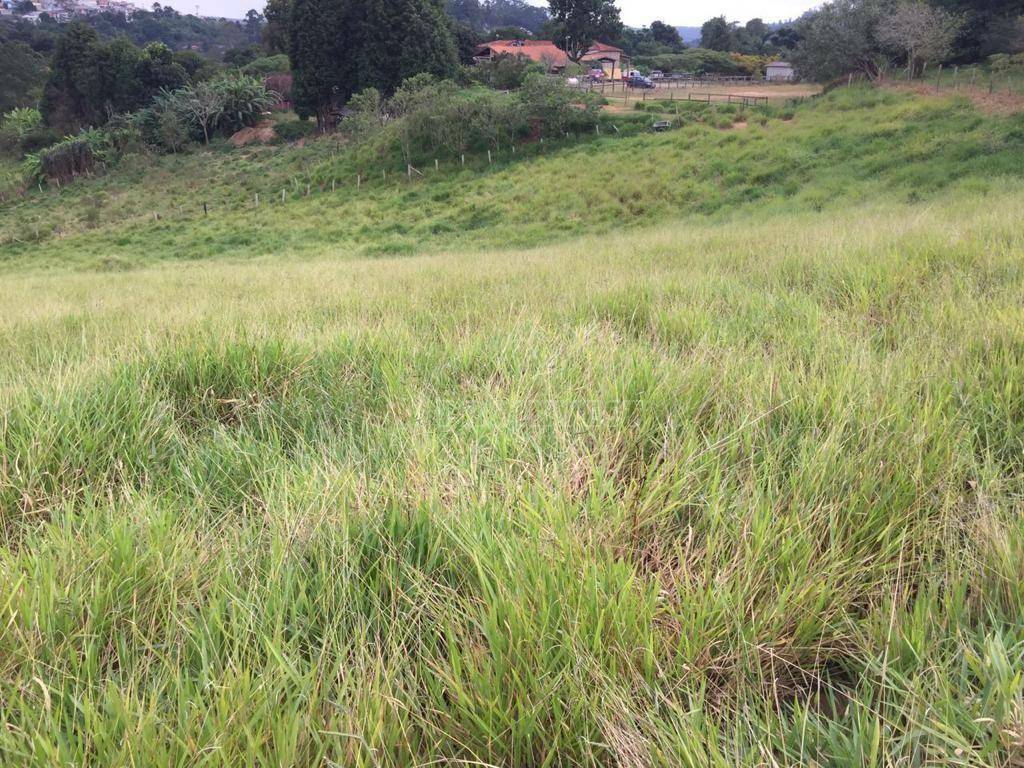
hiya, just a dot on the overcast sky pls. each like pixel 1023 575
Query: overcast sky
pixel 634 12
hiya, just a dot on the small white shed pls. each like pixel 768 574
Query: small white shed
pixel 779 71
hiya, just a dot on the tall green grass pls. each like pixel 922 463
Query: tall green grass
pixel 728 472
pixel 741 492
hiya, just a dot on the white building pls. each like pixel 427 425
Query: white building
pixel 779 71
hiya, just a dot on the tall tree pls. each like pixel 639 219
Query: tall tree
pixel 253 24
pixel 717 34
pixel 340 47
pixel 276 35
pixel 314 27
pixel 666 34
pixel 402 38
pixel 72 97
pixel 921 33
pixel 842 37
pixel 24 74
pixel 577 24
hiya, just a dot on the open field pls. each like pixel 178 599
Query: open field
pixel 737 485
pixel 678 91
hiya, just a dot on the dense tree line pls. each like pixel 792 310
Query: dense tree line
pixel 873 37
pixel 754 38
pixel 91 79
pixel 159 25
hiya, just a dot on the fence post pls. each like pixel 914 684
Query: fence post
pixel 938 78
pixel 257 199
pixel 359 180
pixel 437 166
pixel 463 159
pixel 488 157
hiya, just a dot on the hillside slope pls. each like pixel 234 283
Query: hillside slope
pixel 823 156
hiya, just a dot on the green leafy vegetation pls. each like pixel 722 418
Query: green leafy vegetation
pixel 724 469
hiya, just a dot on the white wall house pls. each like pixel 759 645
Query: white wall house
pixel 780 71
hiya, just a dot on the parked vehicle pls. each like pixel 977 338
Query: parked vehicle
pixel 597 74
pixel 656 75
pixel 639 81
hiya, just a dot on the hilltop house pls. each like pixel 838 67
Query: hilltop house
pixel 600 56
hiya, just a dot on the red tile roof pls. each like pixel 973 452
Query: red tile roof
pixel 538 50
pixel 543 51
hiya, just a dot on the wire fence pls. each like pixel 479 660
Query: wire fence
pixel 319 180
pixel 971 79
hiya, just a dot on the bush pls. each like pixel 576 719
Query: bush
pixel 198 112
pixel 293 130
pixel 74 156
pixel 17 124
pixel 505 73
pixel 699 61
pixel 39 138
pixel 267 65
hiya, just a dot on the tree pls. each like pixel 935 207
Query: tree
pixel 253 24
pixel 921 33
pixel 158 69
pixel 276 35
pixel 399 39
pixel 23 7
pixel 319 30
pixel 717 34
pixel 577 24
pixel 72 97
pixel 666 35
pixel 25 72
pixel 840 38
pixel 340 47
pixel 752 36
pixel 203 105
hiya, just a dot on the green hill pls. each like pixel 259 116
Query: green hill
pixel 702 448
pixel 823 156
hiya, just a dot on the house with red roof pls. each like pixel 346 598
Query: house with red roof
pixel 600 56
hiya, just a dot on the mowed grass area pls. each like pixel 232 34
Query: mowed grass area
pixel 733 481
pixel 850 146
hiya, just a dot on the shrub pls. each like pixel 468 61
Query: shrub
pixel 243 100
pixel 267 65
pixel 17 124
pixel 293 130
pixel 198 112
pixel 39 138
pixel 74 156
pixel 505 73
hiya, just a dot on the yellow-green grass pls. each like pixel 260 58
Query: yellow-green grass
pixel 726 490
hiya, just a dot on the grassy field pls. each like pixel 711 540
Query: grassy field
pixel 738 486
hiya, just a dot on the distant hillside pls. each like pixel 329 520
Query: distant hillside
pixel 178 31
pixel 485 15
pixel 690 35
